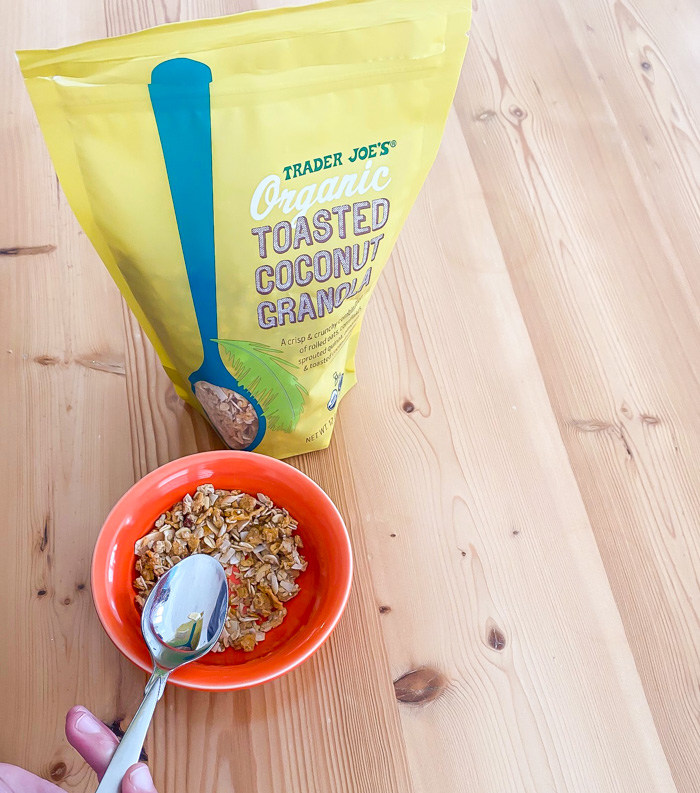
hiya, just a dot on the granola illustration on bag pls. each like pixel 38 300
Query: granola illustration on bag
pixel 244 180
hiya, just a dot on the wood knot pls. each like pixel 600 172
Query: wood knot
pixel 517 112
pixel 496 639
pixel 392 535
pixel 420 686
pixel 102 363
pixel 67 601
pixel 27 250
pixel 485 115
pixel 591 425
pixel 58 771
pixel 116 728
pixel 647 419
pixel 172 400
pixel 408 407
pixel 44 539
pixel 645 65
pixel 80 587
pixel 47 360
pixel 384 609
pixel 41 593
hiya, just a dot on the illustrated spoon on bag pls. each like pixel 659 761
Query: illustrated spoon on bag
pixel 179 92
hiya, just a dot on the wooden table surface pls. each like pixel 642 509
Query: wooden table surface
pixel 519 466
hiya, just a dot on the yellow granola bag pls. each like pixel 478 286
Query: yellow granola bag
pixel 244 180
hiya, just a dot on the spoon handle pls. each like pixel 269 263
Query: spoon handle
pixel 129 749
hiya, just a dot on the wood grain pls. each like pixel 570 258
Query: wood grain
pixel 593 191
pixel 61 420
pixel 470 497
pixel 516 466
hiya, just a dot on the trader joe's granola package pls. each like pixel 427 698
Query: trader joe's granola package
pixel 244 180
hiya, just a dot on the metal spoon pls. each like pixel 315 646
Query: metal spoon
pixel 181 621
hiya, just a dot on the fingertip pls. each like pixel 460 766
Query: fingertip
pixel 80 720
pixel 138 780
pixel 91 738
pixel 73 715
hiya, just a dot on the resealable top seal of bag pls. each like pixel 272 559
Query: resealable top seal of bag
pixel 244 180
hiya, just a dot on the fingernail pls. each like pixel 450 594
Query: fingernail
pixel 140 778
pixel 88 724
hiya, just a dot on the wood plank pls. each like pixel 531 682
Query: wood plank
pixel 63 388
pixel 586 149
pixel 512 605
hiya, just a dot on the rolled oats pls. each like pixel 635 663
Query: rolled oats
pixel 232 415
pixel 254 541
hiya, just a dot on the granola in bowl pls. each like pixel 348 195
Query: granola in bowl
pixel 254 540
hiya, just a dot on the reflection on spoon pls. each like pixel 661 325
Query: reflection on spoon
pixel 187 635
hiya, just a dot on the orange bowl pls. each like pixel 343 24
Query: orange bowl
pixel 312 614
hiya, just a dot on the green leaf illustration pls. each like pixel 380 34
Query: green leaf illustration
pixel 262 371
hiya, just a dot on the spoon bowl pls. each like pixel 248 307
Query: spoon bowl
pixel 185 612
pixel 182 620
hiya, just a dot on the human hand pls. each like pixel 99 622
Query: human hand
pixel 96 743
